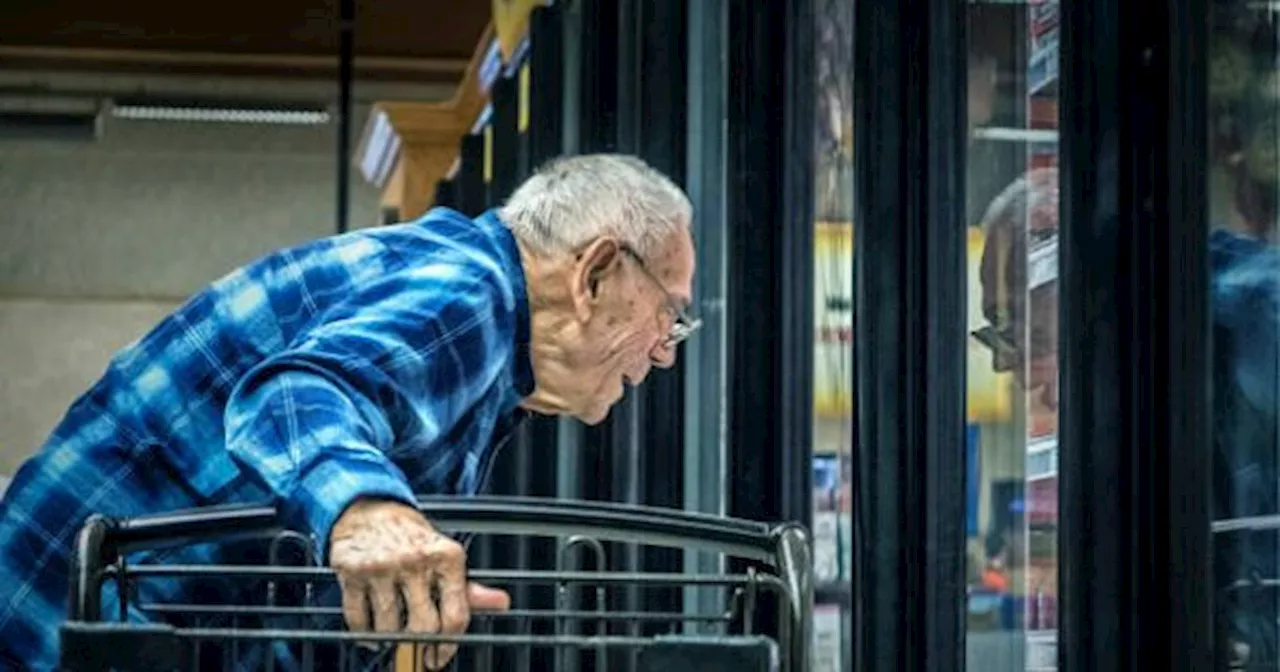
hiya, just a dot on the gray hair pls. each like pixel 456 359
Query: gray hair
pixel 573 200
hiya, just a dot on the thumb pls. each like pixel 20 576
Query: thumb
pixel 484 598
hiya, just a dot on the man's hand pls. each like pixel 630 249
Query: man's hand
pixel 398 573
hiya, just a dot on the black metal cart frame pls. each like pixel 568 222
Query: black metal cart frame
pixel 780 576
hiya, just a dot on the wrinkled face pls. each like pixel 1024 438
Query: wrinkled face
pixel 1041 371
pixel 633 313
pixel 1019 300
pixel 1023 341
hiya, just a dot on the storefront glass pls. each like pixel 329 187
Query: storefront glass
pixel 1013 212
pixel 1244 175
pixel 833 333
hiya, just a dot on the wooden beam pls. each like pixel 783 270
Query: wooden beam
pixel 423 165
pixel 426 137
pixel 367 67
pixel 470 99
pixel 393 193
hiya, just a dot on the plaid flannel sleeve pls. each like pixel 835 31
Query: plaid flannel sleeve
pixel 392 368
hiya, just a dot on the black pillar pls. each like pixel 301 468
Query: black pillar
pixel 769 204
pixel 469 183
pixel 1135 421
pixel 346 70
pixel 769 216
pixel 446 194
pixel 910 336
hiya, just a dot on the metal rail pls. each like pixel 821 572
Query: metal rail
pixel 782 550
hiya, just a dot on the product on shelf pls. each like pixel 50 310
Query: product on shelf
pixel 826 546
pixel 828 639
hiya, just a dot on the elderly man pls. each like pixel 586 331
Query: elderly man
pixel 339 378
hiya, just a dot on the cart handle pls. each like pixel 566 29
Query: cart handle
pixel 102 539
pixel 786 547
pixel 605 521
pixel 535 516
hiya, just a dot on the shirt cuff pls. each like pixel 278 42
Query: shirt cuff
pixel 333 485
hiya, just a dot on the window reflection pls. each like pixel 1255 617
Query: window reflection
pixel 1244 86
pixel 1013 212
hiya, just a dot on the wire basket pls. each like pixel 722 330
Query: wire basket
pixel 283 613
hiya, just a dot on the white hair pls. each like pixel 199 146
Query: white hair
pixel 571 201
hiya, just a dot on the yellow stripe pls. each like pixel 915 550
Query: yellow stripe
pixel 488 154
pixel 524 98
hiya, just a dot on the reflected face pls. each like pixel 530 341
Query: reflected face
pixel 1019 290
pixel 1030 354
pixel 1041 371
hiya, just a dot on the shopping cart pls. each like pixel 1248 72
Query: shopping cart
pixel 294 622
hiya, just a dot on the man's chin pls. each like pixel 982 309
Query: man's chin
pixel 594 417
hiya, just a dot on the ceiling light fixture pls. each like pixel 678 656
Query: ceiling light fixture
pixel 219 114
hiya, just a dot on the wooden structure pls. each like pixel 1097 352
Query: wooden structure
pixel 408 146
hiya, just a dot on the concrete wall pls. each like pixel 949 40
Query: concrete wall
pixel 98 240
pixel 52 351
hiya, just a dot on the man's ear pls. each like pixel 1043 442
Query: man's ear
pixel 594 264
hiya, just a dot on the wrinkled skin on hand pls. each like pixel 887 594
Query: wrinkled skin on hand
pixel 398 573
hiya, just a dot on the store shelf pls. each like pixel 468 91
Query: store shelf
pixel 831 628
pixel 1042 70
pixel 1042 650
pixel 1041 494
pixel 1042 458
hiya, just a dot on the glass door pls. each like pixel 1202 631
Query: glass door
pixel 833 336
pixel 1244 291
pixel 1012 396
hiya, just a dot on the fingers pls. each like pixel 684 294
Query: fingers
pixel 384 597
pixel 355 603
pixel 423 617
pixel 397 572
pixel 455 611
pixel 483 598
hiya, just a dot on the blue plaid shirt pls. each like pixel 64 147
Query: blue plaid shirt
pixel 376 363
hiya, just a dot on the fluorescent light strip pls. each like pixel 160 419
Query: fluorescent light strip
pixel 490 66
pixel 1016 134
pixel 379 150
pixel 221 115
pixel 483 120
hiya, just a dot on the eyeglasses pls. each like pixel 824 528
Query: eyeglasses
pixel 683 325
pixel 1006 345
pixel 1002 343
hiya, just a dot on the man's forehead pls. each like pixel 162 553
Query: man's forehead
pixel 678 289
pixel 674 268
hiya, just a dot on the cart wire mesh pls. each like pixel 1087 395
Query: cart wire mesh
pixel 282 611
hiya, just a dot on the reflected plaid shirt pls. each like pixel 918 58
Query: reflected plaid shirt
pixel 1245 275
pixel 376 363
